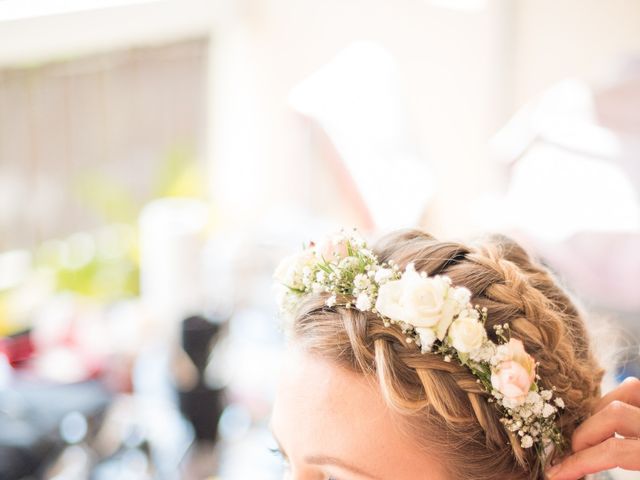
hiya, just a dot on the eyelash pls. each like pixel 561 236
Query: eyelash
pixel 278 453
pixel 275 451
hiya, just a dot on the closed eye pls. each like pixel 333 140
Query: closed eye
pixel 276 452
pixel 280 454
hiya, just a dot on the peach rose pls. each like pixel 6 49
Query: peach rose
pixel 514 373
pixel 332 247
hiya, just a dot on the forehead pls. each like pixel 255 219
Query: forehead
pixel 328 397
pixel 323 409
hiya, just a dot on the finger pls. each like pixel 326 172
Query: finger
pixel 615 417
pixel 628 392
pixel 613 452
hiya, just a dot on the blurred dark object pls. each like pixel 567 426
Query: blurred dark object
pixel 201 403
pixel 203 407
pixel 30 422
pixel 198 338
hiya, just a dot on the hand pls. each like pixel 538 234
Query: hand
pixel 595 445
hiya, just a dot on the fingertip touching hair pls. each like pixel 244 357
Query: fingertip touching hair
pixel 440 403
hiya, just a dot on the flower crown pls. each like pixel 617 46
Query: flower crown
pixel 435 316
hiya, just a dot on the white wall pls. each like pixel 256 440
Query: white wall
pixel 451 65
pixel 571 38
pixel 464 72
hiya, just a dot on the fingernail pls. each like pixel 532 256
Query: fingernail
pixel 553 471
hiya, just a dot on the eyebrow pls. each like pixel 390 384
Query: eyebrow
pixel 326 460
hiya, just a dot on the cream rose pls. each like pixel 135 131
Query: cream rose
pixel 420 301
pixel 466 333
pixel 389 301
pixel 514 373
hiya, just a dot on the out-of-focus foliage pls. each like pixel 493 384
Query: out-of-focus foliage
pixel 102 264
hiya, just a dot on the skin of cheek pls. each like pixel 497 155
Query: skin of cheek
pixel 324 409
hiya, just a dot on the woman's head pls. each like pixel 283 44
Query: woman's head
pixel 437 407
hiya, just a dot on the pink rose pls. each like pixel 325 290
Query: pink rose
pixel 333 247
pixel 514 373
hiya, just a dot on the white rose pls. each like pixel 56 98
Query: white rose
pixel 466 333
pixel 389 301
pixel 450 309
pixel 290 271
pixel 417 300
pixel 457 301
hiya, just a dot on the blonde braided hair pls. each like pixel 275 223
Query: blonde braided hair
pixel 444 406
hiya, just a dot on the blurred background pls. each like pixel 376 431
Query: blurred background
pixel 158 158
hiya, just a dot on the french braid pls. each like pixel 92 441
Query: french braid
pixel 443 405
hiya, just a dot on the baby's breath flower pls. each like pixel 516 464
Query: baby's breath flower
pixel 548 410
pixel 361 281
pixel 383 274
pixel 526 441
pixel 363 302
